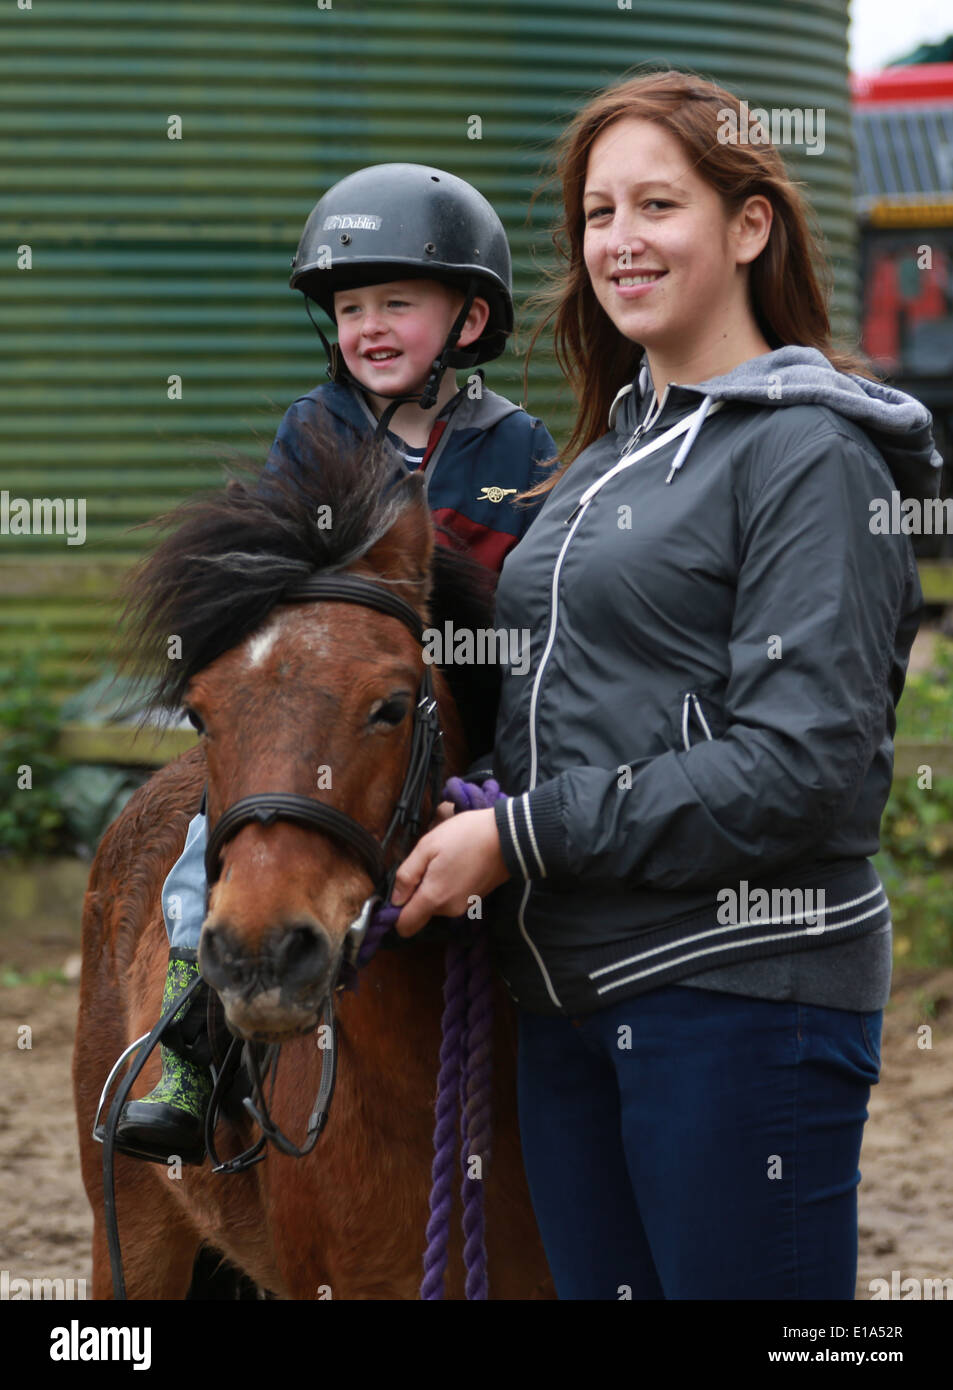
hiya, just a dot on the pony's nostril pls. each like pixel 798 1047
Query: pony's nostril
pixel 290 959
pixel 221 964
pixel 301 955
pixel 210 958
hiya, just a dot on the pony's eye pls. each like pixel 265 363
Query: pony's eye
pixel 194 720
pixel 391 711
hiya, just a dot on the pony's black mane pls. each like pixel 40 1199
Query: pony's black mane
pixel 230 556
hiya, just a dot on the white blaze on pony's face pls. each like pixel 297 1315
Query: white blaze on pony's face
pixel 259 646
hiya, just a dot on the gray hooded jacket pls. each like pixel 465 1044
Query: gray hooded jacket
pixel 697 743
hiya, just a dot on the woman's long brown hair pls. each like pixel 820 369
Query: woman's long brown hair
pixel 787 297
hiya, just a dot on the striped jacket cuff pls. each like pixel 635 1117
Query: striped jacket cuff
pixel 530 829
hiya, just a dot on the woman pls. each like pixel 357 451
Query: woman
pixel 701 751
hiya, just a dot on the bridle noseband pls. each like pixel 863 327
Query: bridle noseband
pixel 424 770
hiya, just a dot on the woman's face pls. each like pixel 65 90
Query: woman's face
pixel 665 262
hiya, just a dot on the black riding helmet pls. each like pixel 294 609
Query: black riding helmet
pixel 403 222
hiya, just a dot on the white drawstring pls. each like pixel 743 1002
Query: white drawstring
pixel 688 425
pixel 698 710
pixel 707 407
pixel 614 407
pixel 690 695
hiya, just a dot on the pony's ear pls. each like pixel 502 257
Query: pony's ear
pixel 404 552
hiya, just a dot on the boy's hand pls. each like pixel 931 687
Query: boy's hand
pixel 457 860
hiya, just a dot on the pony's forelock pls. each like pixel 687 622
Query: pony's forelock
pixel 229 556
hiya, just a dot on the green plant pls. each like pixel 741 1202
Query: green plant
pixel 30 815
pixel 926 706
pixel 925 1003
pixel 916 834
pixel 11 979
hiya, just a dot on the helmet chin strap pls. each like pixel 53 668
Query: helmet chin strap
pixel 336 365
pixel 450 356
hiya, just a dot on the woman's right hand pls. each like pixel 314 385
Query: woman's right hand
pixel 443 812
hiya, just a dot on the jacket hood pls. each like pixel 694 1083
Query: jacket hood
pixel 899 426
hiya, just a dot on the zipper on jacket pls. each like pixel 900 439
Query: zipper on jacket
pixel 656 406
pixel 651 415
pixel 628 458
pixel 533 751
pixel 678 429
pixel 650 419
pixel 446 418
pixel 686 710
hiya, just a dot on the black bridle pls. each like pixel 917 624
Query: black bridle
pixel 423 771
pixel 379 858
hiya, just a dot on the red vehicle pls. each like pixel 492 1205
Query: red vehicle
pixel 903 128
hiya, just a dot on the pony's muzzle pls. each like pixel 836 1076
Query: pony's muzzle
pixel 272 987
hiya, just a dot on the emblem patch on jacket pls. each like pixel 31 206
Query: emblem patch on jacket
pixel 494 494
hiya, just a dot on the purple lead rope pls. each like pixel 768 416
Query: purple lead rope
pixel 464 1082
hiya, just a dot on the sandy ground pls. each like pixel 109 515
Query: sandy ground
pixel 906 1196
pixel 45 1220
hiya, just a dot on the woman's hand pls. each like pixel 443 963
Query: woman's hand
pixel 457 860
pixel 444 811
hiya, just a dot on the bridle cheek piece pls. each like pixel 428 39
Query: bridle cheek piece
pixel 424 773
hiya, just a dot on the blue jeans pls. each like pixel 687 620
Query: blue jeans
pixel 183 893
pixel 713 1157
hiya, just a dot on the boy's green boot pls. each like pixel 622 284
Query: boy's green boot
pixel 171 1118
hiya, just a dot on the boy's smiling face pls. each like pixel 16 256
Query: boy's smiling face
pixel 390 334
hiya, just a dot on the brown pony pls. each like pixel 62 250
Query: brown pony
pixel 286 694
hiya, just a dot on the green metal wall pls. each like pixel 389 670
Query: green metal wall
pixel 155 257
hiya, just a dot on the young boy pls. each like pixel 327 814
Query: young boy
pixel 413 265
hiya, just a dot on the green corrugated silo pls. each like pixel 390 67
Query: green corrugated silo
pixel 157 260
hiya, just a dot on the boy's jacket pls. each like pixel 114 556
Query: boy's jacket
pixel 481 453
